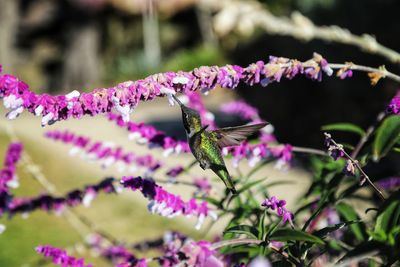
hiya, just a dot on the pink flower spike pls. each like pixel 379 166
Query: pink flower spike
pixel 60 257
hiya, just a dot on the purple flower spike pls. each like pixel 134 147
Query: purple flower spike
pixel 60 257
pixel 51 203
pixel 147 134
pixel 124 97
pixel 279 205
pixel 106 153
pixel 165 203
pixel 8 176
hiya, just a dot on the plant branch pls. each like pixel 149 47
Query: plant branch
pixel 297 26
pixel 309 150
pixel 385 73
pixel 357 165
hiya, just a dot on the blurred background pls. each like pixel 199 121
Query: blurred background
pixel 65 45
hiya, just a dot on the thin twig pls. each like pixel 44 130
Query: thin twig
pixel 357 165
pixel 385 73
pixel 309 150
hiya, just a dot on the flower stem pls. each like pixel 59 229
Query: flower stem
pixel 309 150
pixel 357 165
pixel 384 72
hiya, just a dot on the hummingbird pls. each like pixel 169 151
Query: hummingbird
pixel 206 145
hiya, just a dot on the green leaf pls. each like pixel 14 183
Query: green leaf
pixel 322 233
pixel 388 218
pixel 344 127
pixel 386 137
pixel 243 229
pixel 249 185
pixel 361 250
pixel 295 235
pixel 261 225
pixel 281 182
pixel 350 215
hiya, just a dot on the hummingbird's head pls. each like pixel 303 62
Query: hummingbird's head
pixel 191 120
pixel 190 117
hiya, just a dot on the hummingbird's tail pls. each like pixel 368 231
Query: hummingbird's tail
pixel 223 173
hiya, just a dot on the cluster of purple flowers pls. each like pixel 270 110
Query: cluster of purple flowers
pixel 8 176
pixel 256 152
pixel 174 172
pixel 181 250
pixel 241 109
pixel 176 248
pixel 60 257
pixel 345 72
pixel 125 96
pixel 279 205
pixel 51 203
pixel 334 150
pixel 165 203
pixel 104 152
pixel 147 134
pixel 394 106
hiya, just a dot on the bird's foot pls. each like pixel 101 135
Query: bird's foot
pixel 204 165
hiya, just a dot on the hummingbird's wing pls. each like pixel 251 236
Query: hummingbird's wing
pixel 233 136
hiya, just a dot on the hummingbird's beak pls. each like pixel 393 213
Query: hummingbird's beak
pixel 177 100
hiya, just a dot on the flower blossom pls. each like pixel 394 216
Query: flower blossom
pixel 104 152
pixel 335 150
pixel 176 249
pixel 165 203
pixel 60 257
pixel 118 254
pixel 147 134
pixel 345 72
pixel 279 205
pixel 256 152
pixel 394 106
pixel 173 173
pixel 124 97
pixel 8 177
pixel 200 254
